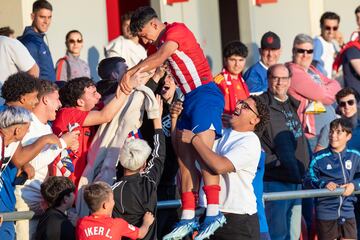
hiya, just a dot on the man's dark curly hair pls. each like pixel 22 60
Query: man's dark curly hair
pixel 55 188
pixel 235 48
pixel 140 17
pixel 73 90
pixel 264 114
pixel 18 85
pixel 345 92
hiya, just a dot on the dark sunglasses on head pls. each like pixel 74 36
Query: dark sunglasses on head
pixel 302 51
pixel 243 105
pixel 349 102
pixel 328 28
pixel 73 40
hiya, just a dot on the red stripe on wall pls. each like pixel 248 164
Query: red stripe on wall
pixel 113 18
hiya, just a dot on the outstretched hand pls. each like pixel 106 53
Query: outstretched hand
pixel 129 82
pixel 176 109
pixel 157 121
pixel 159 73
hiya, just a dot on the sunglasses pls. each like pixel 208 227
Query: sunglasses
pixel 73 41
pixel 302 51
pixel 328 28
pixel 243 105
pixel 349 102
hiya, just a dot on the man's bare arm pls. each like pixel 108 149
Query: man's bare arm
pixel 218 164
pixel 117 102
pixel 355 63
pixel 151 62
pixel 107 113
pixel 25 154
pixel 34 71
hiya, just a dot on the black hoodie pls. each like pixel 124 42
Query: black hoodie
pixel 285 145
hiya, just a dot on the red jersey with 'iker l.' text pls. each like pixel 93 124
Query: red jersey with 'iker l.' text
pixel 188 63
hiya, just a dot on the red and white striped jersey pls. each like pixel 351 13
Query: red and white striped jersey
pixel 188 63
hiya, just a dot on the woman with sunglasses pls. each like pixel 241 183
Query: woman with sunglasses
pixel 314 90
pixel 71 66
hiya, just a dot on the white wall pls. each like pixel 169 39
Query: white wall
pixel 9 9
pixel 89 17
pixel 288 18
pixel 202 18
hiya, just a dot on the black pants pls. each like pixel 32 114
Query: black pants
pixel 238 226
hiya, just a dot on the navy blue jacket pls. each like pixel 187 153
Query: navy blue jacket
pixel 340 168
pixel 39 50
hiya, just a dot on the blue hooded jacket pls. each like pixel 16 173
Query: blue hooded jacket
pixel 340 168
pixel 39 50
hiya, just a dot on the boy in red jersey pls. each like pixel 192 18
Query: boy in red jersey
pixel 100 225
pixel 203 106
pixel 230 80
pixel 79 97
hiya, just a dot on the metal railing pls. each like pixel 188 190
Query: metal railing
pixel 272 196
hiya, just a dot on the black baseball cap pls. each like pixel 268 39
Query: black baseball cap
pixel 270 40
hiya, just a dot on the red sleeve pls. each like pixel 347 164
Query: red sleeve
pixel 66 116
pixel 126 229
pixel 179 33
pixel 80 230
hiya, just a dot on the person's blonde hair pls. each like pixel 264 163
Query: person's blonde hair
pixel 134 154
pixel 11 115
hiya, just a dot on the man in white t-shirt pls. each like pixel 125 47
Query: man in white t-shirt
pixel 235 160
pixel 327 44
pixel 14 57
pixel 28 196
pixel 126 46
